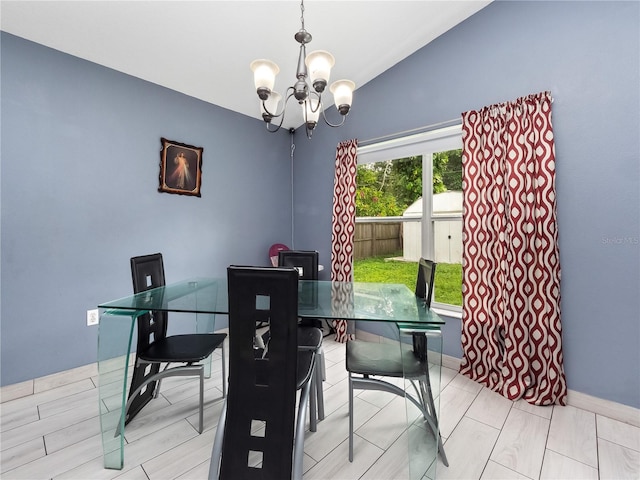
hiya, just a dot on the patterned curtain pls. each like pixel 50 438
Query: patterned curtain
pixel 343 222
pixel 511 331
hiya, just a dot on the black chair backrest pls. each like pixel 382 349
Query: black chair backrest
pixel 424 284
pixel 147 272
pixel 424 290
pixel 261 390
pixel 305 261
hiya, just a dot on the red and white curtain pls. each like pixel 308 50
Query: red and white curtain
pixel 343 222
pixel 511 330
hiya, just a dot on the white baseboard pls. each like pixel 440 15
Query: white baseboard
pixel 606 408
pixel 451 362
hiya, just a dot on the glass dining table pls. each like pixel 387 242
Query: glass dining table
pixel 201 300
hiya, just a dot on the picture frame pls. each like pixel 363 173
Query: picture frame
pixel 180 168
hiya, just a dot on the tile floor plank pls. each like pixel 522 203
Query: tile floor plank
pixel 335 396
pixel 454 403
pixel 573 434
pixel 557 466
pixel 135 453
pixel 46 396
pixel 468 450
pixel 336 465
pixel 394 462
pixel 14 457
pixel 18 418
pixel 138 474
pixel 384 428
pixel 48 425
pixel 617 432
pixel 521 443
pixel 58 462
pixel 75 433
pixel 64 378
pixel 15 391
pixel 495 471
pixel 180 459
pixel 70 402
pixel 490 408
pixel 198 472
pixel 541 411
pixel 618 462
pixel 334 430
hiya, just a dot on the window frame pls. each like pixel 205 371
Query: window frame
pixel 424 144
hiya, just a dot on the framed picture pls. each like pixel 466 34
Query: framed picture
pixel 180 168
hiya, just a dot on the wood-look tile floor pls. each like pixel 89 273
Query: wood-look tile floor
pixel 50 430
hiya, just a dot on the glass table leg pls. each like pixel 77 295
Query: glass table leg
pixel 115 333
pixel 422 400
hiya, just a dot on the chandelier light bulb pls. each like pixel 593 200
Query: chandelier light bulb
pixel 264 76
pixel 311 112
pixel 343 95
pixel 319 63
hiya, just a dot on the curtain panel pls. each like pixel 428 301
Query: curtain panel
pixel 343 224
pixel 511 328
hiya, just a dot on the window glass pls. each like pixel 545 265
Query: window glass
pixel 410 206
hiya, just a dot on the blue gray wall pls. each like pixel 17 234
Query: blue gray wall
pixel 80 164
pixel 80 151
pixel 587 54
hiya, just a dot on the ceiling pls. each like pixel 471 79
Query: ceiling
pixel 204 48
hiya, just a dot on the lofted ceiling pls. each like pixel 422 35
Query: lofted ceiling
pixel 204 48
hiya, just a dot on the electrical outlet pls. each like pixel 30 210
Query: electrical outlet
pixel 92 317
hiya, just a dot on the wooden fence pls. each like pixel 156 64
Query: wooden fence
pixel 372 239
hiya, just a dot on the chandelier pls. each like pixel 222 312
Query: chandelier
pixel 313 75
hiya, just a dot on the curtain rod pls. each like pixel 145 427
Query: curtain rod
pixel 413 131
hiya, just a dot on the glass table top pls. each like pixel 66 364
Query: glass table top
pixel 383 302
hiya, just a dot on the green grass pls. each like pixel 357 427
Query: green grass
pixel 376 269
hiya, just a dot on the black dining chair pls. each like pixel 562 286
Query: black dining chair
pixel 309 332
pixel 155 348
pixel 366 361
pixel 258 436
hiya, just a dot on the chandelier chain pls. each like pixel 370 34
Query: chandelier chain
pixel 302 13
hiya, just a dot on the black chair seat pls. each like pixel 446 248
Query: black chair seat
pixel 386 360
pixel 190 348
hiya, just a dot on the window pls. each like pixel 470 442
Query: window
pixel 414 183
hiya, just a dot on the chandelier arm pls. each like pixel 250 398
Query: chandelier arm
pixel 275 129
pixel 304 111
pixel 284 104
pixel 281 114
pixel 318 103
pixel 344 117
pixel 272 115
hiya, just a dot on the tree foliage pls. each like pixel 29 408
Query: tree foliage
pixel 374 198
pixel 386 189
